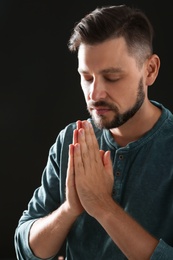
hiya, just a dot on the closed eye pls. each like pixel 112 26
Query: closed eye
pixel 87 78
pixel 111 80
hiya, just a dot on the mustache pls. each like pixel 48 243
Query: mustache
pixel 101 103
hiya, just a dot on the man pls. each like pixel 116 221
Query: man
pixel 107 186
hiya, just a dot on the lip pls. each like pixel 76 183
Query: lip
pixel 101 110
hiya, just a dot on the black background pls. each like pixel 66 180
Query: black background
pixel 40 90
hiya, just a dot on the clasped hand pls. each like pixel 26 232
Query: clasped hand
pixel 90 174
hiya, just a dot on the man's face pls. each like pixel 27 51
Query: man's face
pixel 112 82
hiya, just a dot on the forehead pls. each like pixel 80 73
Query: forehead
pixel 111 53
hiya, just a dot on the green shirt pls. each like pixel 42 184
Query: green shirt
pixel 143 186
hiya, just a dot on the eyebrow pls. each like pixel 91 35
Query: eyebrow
pixel 104 71
pixel 112 70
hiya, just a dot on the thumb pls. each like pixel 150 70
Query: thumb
pixel 108 163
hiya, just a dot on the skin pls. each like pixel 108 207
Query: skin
pixel 110 80
pixel 115 79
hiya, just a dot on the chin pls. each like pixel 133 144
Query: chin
pixel 99 122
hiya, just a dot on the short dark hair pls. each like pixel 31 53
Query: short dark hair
pixel 111 22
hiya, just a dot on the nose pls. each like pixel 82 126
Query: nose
pixel 97 90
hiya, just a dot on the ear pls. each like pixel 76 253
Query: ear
pixel 152 69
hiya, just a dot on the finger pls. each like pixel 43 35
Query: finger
pixel 91 141
pixel 109 169
pixel 75 136
pixel 84 152
pixel 108 163
pixel 90 154
pixel 78 162
pixel 75 132
pixel 101 154
pixel 79 124
pixel 70 168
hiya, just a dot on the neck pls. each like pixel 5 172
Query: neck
pixel 138 125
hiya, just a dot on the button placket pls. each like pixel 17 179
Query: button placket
pixel 118 176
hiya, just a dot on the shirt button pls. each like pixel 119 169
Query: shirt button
pixel 121 157
pixel 113 192
pixel 118 174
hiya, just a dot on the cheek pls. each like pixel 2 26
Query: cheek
pixel 122 97
pixel 86 93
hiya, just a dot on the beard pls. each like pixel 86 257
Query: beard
pixel 118 119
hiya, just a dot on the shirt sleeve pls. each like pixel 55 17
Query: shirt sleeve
pixel 162 252
pixel 45 199
pixel 23 251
